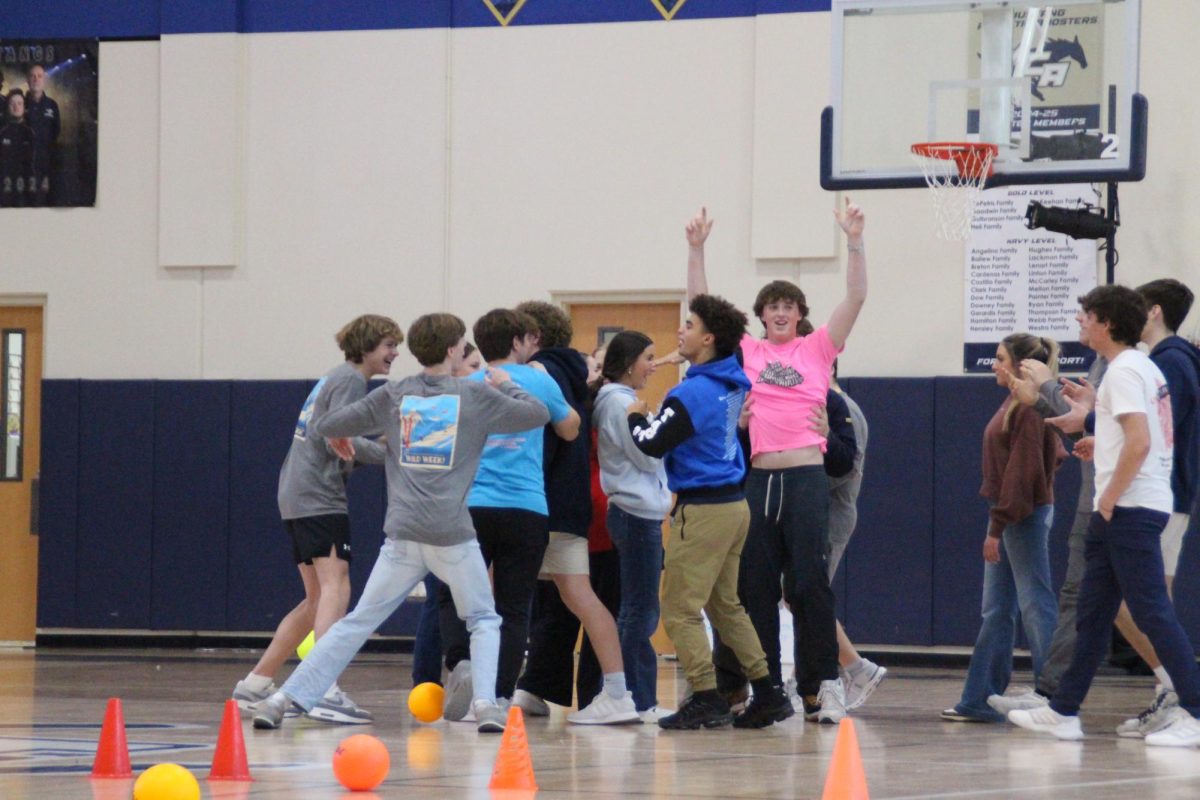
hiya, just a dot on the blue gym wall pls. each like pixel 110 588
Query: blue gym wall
pixel 158 510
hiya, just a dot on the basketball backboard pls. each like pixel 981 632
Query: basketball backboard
pixel 1054 86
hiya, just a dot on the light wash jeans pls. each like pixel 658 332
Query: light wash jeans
pixel 401 564
pixel 1020 582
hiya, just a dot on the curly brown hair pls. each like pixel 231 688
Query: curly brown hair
pixel 553 322
pixel 363 334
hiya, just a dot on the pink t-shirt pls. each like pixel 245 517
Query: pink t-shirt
pixel 788 381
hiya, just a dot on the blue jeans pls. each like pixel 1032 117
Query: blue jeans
pixel 399 566
pixel 1019 582
pixel 1124 561
pixel 639 543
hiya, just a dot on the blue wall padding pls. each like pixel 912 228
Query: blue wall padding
pixel 59 504
pixel 889 560
pixel 191 505
pixel 116 503
pixel 263 581
pixel 159 511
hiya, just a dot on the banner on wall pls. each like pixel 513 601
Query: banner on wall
pixel 1025 281
pixel 49 125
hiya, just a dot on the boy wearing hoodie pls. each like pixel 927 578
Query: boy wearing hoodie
pixel 695 434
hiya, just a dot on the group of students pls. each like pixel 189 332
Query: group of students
pixel 1135 422
pixel 491 468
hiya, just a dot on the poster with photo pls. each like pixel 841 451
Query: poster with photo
pixel 50 119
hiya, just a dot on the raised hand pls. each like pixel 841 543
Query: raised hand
pixel 1036 371
pixel 698 227
pixel 1024 387
pixel 1074 420
pixel 1082 392
pixel 851 219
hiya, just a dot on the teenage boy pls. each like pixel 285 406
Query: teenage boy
pixel 1133 457
pixel 507 504
pixel 312 503
pixel 436 427
pixel 696 435
pixel 555 627
pixel 787 488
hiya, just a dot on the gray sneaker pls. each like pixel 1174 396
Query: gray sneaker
pixel 338 707
pixel 248 699
pixel 1154 718
pixel 459 692
pixel 530 704
pixel 489 717
pixel 269 713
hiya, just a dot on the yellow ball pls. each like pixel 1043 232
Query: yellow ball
pixel 425 701
pixel 166 782
pixel 306 645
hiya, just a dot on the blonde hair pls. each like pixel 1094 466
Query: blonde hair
pixel 1021 346
pixel 363 334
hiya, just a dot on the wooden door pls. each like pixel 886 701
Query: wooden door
pixel 593 323
pixel 20 457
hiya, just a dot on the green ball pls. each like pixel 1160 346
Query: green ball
pixel 306 645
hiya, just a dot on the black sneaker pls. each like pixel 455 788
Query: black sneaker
pixel 765 709
pixel 698 713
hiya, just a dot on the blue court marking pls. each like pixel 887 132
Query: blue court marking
pixel 95 726
pixel 86 769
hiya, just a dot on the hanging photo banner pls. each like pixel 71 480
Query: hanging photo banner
pixel 49 123
pixel 1025 281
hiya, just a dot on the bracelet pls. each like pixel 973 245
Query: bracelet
pixel 856 249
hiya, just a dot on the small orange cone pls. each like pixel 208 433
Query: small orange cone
pixel 112 753
pixel 846 779
pixel 514 768
pixel 229 759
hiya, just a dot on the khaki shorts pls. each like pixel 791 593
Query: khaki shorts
pixel 566 554
pixel 1172 541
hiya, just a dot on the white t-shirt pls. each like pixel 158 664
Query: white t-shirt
pixel 1134 385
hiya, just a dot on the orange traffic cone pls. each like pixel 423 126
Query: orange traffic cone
pixel 514 768
pixel 229 759
pixel 112 752
pixel 846 779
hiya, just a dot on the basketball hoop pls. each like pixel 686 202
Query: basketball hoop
pixel 955 173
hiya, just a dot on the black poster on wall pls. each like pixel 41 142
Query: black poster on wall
pixel 50 89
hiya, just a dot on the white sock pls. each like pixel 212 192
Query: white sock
pixel 332 692
pixel 614 685
pixel 255 682
pixel 857 667
pixel 1160 672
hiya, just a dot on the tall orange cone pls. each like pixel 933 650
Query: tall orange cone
pixel 514 768
pixel 112 752
pixel 846 779
pixel 229 759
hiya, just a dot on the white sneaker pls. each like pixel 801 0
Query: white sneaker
pixel 1045 719
pixel 793 694
pixel 1156 717
pixel 832 702
pixel 604 710
pixel 530 704
pixel 859 686
pixel 1018 701
pixel 459 692
pixel 652 715
pixel 1181 730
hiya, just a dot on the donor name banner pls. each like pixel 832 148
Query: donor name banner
pixel 1025 281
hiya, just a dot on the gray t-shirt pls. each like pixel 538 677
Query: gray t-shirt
pixel 436 428
pixel 312 481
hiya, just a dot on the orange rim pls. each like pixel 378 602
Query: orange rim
pixel 973 159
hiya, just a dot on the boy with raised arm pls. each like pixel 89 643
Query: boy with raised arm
pixel 436 427
pixel 787 488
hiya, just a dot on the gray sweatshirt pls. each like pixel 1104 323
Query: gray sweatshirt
pixel 312 481
pixel 633 481
pixel 1051 403
pixel 436 428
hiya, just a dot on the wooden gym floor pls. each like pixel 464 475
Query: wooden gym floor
pixel 52 703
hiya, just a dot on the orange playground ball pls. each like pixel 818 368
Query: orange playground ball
pixel 361 762
pixel 425 701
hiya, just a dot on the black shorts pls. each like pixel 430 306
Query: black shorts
pixel 314 537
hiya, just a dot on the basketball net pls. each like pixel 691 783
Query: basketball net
pixel 955 173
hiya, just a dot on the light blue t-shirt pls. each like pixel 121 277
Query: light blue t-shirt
pixel 510 472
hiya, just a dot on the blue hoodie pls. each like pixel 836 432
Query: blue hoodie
pixel 706 406
pixel 1179 361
